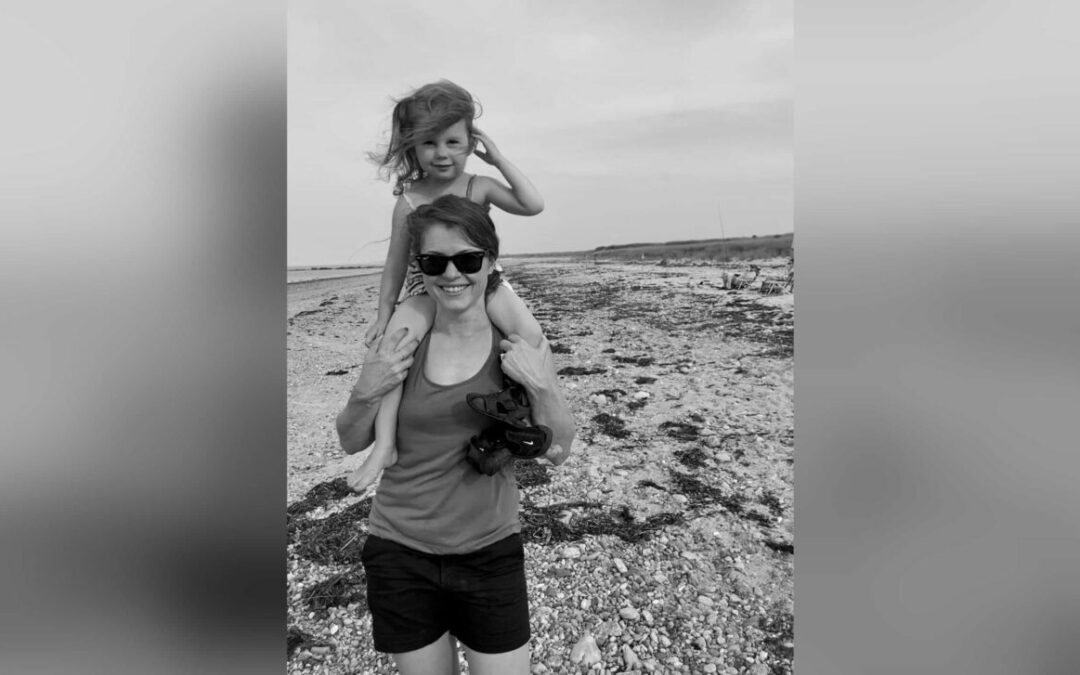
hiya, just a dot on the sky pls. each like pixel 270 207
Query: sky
pixel 637 120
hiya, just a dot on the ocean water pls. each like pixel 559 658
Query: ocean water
pixel 298 274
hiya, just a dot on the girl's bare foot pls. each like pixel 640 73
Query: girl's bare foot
pixel 365 476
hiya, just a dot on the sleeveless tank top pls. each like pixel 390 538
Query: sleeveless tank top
pixel 432 499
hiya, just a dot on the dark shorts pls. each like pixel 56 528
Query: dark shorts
pixel 415 597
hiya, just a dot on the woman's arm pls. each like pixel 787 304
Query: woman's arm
pixel 534 369
pixel 385 366
pixel 521 198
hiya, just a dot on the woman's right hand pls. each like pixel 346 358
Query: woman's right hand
pixel 386 364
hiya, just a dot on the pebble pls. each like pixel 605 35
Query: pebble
pixel 630 658
pixel 585 604
pixel 682 499
pixel 722 457
pixel 641 395
pixel 759 669
pixel 647 615
pixel 571 552
pixel 705 600
pixel 710 668
pixel 620 565
pixel 586 651
pixel 629 613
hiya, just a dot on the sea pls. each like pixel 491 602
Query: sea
pixel 301 274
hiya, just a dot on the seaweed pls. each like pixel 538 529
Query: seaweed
pixel 680 430
pixel 319 496
pixel 337 538
pixel 611 425
pixel 548 524
pixel 578 370
pixel 693 458
pixel 340 590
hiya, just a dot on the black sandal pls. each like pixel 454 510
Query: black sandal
pixel 489 452
pixel 509 406
pixel 528 443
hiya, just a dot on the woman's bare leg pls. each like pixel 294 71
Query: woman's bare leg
pixel 438 658
pixel 507 663
pixel 416 314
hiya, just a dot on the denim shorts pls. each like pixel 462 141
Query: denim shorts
pixel 416 597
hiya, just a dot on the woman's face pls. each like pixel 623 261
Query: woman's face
pixel 454 289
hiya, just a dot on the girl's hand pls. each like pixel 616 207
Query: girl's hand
pixel 375 331
pixel 490 153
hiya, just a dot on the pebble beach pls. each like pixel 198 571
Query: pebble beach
pixel 663 545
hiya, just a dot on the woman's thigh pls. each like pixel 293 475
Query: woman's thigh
pixel 438 658
pixel 515 662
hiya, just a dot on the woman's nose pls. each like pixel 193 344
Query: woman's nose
pixel 451 271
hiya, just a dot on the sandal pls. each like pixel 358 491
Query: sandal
pixel 509 405
pixel 528 443
pixel 489 452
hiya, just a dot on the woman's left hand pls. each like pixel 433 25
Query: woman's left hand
pixel 529 366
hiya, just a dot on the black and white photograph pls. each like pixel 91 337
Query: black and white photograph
pixel 540 338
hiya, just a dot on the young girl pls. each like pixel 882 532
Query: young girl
pixel 432 136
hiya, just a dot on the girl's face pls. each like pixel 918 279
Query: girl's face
pixel 442 157
pixel 453 289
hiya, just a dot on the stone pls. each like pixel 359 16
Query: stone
pixel 647 615
pixel 630 658
pixel 641 395
pixel 710 668
pixel 629 613
pixel 759 669
pixel 585 604
pixel 586 651
pixel 620 565
pixel 571 552
pixel 705 600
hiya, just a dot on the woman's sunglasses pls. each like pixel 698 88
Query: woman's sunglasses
pixel 433 264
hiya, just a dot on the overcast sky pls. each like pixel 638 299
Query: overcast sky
pixel 638 120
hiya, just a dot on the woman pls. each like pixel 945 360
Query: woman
pixel 444 559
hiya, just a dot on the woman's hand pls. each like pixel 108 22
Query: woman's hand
pixel 385 366
pixel 490 153
pixel 529 366
pixel 534 369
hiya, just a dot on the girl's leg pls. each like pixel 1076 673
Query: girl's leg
pixel 416 314
pixel 510 315
pixel 438 658
pixel 507 663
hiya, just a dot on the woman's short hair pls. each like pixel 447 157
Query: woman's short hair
pixel 463 215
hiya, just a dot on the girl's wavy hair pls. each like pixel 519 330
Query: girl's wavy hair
pixel 422 114
pixel 463 215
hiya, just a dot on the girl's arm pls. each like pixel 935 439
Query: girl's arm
pixel 521 198
pixel 534 369
pixel 393 274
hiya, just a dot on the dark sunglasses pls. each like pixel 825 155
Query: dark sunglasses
pixel 433 264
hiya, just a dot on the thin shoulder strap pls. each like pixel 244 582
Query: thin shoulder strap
pixel 405 196
pixel 468 188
